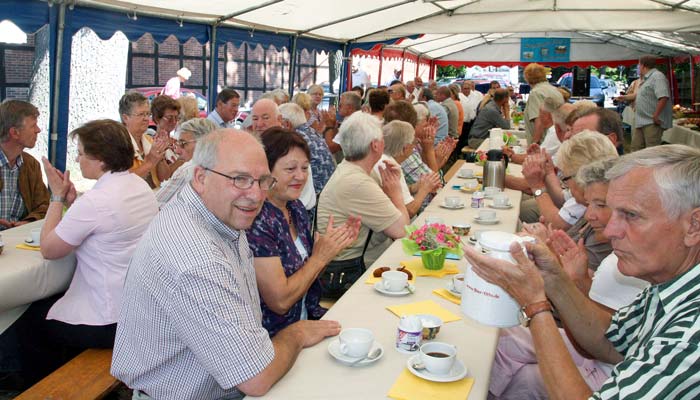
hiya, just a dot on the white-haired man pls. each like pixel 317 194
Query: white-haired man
pixel 172 87
pixel 352 191
pixel 190 327
pixel 654 195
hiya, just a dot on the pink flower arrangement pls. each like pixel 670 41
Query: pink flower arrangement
pixel 431 237
pixel 480 158
pixel 509 139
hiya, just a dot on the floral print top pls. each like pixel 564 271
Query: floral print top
pixel 270 236
pixel 322 164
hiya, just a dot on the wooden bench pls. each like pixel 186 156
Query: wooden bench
pixel 86 377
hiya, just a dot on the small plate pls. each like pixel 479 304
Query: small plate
pixel 378 287
pixel 468 190
pixel 334 350
pixel 31 243
pixel 466 177
pixel 508 207
pixel 451 288
pixel 443 205
pixel 457 372
pixel 486 221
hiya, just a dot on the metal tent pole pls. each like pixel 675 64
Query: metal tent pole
pixel 53 137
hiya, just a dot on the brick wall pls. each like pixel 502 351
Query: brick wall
pixel 16 69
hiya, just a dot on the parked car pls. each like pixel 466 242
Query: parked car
pixel 596 91
pixel 151 92
pixel 609 88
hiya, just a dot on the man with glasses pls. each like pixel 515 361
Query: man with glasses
pixel 190 326
pixel 149 153
pixel 227 103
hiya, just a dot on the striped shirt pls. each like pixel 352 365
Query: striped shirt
pixel 654 87
pixel 191 324
pixel 11 203
pixel 658 336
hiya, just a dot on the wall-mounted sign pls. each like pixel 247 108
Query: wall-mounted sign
pixel 545 49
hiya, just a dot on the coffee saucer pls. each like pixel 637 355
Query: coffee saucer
pixel 486 221
pixel 334 350
pixel 457 372
pixel 443 205
pixel 451 289
pixel 466 177
pixel 379 288
pixel 31 243
pixel 506 207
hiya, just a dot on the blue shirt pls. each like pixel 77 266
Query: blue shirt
pixel 439 111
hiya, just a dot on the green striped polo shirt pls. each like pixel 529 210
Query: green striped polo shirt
pixel 658 336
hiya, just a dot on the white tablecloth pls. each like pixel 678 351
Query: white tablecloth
pixel 26 277
pixel 681 135
pixel 316 375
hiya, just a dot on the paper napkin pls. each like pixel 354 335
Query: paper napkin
pixel 411 387
pixel 424 307
pixel 416 266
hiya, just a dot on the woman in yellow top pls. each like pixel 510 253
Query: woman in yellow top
pixel 149 161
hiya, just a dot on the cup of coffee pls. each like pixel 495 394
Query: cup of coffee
pixel 491 190
pixel 356 342
pixel 453 201
pixel 471 184
pixel 394 281
pixel 466 173
pixel 501 200
pixel 487 215
pixel 36 236
pixel 434 220
pixel 431 325
pixel 458 283
pixel 438 357
pixel 461 229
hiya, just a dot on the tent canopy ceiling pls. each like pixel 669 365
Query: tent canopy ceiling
pixel 450 29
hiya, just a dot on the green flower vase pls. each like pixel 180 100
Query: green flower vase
pixel 433 259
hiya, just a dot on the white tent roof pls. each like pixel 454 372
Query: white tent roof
pixel 630 27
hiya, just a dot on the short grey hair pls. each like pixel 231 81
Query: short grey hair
pixel 582 149
pixel 293 113
pixel 277 95
pixel 206 152
pixel 676 171
pixel 198 127
pixel 422 110
pixel 397 134
pixel 595 172
pixel 353 99
pixel 357 133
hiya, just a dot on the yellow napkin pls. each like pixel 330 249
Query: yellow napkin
pixel 416 266
pixel 411 387
pixel 25 247
pixel 445 294
pixel 424 307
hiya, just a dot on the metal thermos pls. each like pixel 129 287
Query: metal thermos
pixel 495 169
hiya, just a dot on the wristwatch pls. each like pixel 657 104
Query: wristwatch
pixel 530 310
pixel 540 192
pixel 57 198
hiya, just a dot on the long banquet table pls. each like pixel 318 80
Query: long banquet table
pixel 317 375
pixel 26 277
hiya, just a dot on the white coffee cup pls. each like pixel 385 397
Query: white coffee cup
pixel 471 184
pixel 458 283
pixel 487 215
pixel 453 201
pixel 491 190
pixel 438 357
pixel 501 200
pixel 36 236
pixel 356 342
pixel 434 220
pixel 466 173
pixel 394 281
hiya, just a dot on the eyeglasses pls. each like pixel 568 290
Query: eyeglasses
pixel 143 115
pixel 566 179
pixel 182 143
pixel 171 118
pixel 266 182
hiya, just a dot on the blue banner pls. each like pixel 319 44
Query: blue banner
pixel 545 49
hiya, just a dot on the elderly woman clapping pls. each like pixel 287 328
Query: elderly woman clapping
pixel 398 146
pixel 288 259
pixel 103 228
pixel 581 149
